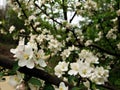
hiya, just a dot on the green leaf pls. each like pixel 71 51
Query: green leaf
pixel 75 88
pixel 1 74
pixel 117 82
pixel 48 87
pixel 72 79
pixel 35 81
pixel 15 66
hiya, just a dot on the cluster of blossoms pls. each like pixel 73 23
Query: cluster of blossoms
pixel 53 44
pixel 84 67
pixel 100 35
pixel 87 6
pixel 118 46
pixel 90 5
pixel 112 33
pixel 28 55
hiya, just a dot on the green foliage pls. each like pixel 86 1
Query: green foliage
pixel 15 68
pixel 48 87
pixel 76 88
pixel 35 81
pixel 72 79
pixel 115 76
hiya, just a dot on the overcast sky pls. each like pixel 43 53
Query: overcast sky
pixel 2 3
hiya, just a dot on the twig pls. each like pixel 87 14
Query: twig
pixel 104 50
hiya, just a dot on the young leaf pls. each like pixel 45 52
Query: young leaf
pixel 35 81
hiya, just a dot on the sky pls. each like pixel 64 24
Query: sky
pixel 2 3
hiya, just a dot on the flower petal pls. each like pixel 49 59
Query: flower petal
pixel 30 64
pixel 22 63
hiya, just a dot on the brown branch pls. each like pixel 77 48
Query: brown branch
pixel 104 50
pixel 109 87
pixel 80 44
pixel 38 73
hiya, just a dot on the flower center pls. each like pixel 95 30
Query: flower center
pixel 26 56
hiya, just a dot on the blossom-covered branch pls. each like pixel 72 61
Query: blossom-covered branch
pixel 38 73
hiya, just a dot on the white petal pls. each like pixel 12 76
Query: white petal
pixel 42 63
pixel 72 72
pixel 22 63
pixel 30 64
pixel 12 81
pixel 13 51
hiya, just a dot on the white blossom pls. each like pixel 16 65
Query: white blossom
pixel 12 28
pixel 85 69
pixel 62 86
pixel 100 34
pixel 74 68
pixel 24 54
pixel 118 45
pixel 90 5
pixel 118 12
pixel 15 79
pixel 111 34
pixel 100 75
pixel 87 84
pixel 66 52
pixel 54 45
pixel 40 38
pixel 61 68
pixel 88 42
pixel 88 56
pixel 81 68
pixel 40 58
pixel 32 17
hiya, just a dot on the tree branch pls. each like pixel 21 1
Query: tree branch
pixel 80 44
pixel 38 73
pixel 104 50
